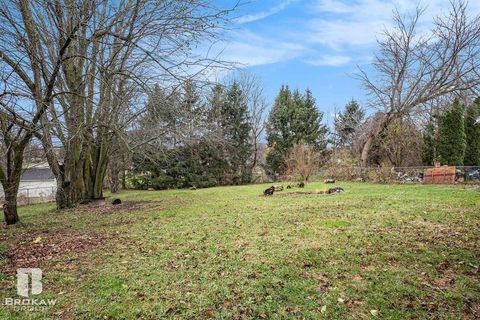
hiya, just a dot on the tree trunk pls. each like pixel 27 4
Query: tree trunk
pixel 124 179
pixel 114 177
pixel 98 185
pixel 10 178
pixel 367 146
pixel 95 175
pixel 70 184
pixel 65 197
pixel 10 206
pixel 114 183
pixel 366 150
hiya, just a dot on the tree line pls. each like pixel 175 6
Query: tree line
pixel 72 73
pixel 453 137
pixel 215 137
pixel 450 136
pixel 197 139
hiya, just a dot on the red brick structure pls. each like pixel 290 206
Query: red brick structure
pixel 440 175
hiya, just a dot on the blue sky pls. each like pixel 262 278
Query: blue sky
pixel 314 43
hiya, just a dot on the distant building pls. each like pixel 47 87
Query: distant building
pixel 37 174
pixel 36 183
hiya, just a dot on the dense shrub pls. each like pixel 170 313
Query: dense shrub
pixel 162 182
pixel 201 165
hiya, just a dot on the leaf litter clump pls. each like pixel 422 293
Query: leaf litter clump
pixel 34 249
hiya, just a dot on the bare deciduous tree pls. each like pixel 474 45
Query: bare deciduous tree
pixel 402 143
pixel 74 75
pixel 252 88
pixel 413 68
pixel 28 82
pixel 114 60
pixel 302 161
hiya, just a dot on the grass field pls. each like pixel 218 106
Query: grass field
pixel 373 252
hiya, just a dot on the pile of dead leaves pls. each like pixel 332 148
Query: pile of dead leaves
pixel 33 249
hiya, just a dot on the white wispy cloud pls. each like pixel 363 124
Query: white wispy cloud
pixel 330 33
pixel 352 23
pixel 341 24
pixel 264 14
pixel 333 6
pixel 337 34
pixel 250 49
pixel 330 60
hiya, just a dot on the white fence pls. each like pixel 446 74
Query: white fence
pixel 34 192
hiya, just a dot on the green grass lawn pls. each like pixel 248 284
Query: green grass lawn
pixel 373 252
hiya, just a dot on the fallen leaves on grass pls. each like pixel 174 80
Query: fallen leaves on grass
pixel 472 309
pixel 264 232
pixel 110 208
pixel 209 313
pixel 443 283
pixel 31 250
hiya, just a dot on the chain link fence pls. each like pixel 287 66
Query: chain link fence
pixel 31 195
pixel 395 174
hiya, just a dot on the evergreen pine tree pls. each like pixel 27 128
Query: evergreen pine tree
pixel 279 134
pixel 293 119
pixel 308 125
pixel 429 144
pixel 236 129
pixel 451 136
pixel 215 102
pixel 190 111
pixel 472 131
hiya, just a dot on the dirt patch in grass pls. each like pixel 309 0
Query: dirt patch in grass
pixel 472 310
pixel 302 193
pixel 33 249
pixel 109 208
